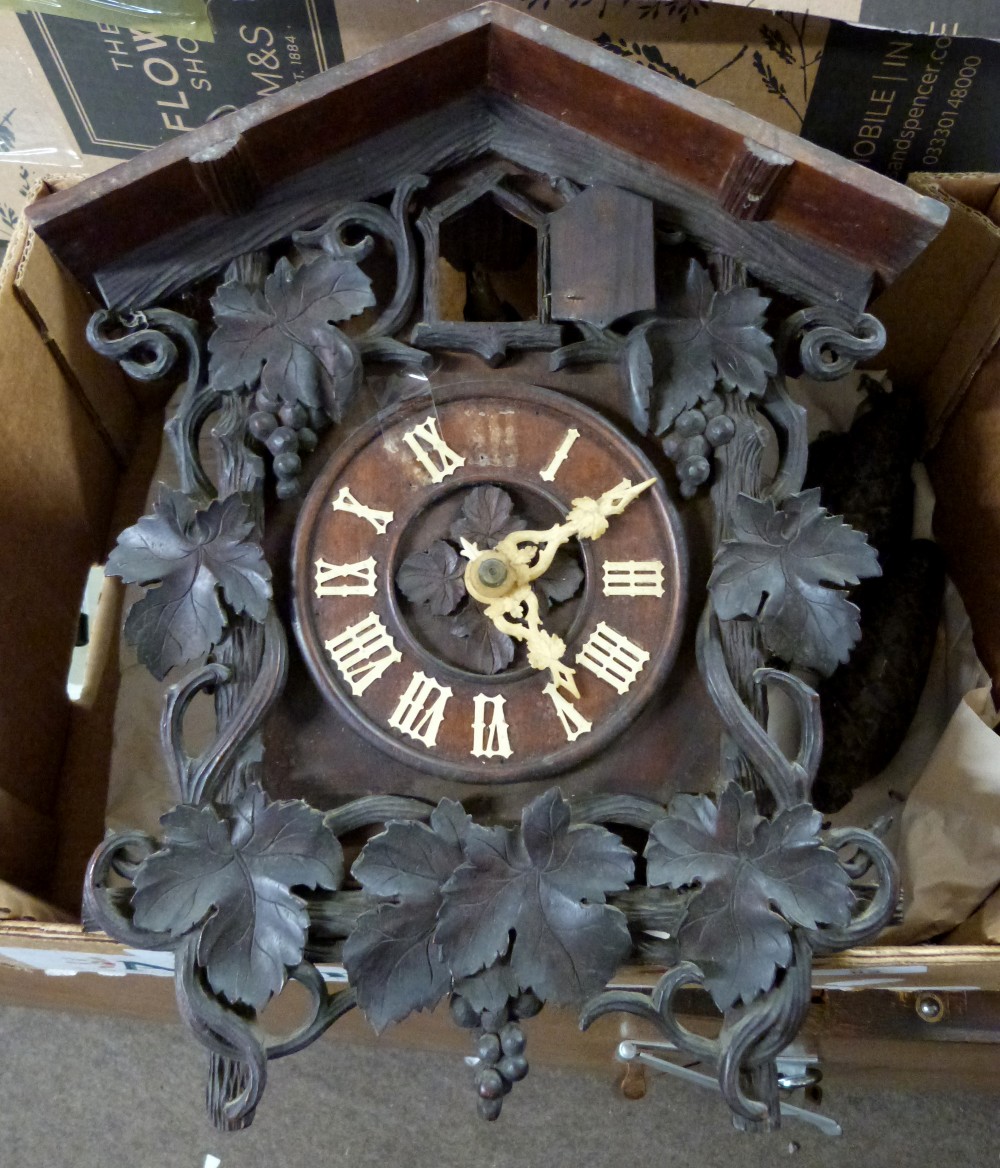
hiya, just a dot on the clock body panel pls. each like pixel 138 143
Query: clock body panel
pixel 395 486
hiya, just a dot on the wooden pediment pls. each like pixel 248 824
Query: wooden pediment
pixel 488 82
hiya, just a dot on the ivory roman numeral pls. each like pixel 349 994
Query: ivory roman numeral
pixel 492 739
pixel 562 451
pixel 420 710
pixel 612 657
pixel 431 450
pixel 363 653
pixel 573 722
pixel 345 501
pixel 633 578
pixel 354 579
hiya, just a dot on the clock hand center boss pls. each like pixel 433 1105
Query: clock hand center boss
pixel 500 578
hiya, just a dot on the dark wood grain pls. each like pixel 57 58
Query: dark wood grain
pixel 475 127
pixel 753 181
pixel 432 142
pixel 697 139
pixel 601 256
pixel 781 258
pixel 133 216
pixel 152 195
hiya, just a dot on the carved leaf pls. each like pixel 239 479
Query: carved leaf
pixel 756 878
pixel 486 517
pixel 546 882
pixel 391 957
pixel 486 648
pixel 232 877
pixel 562 580
pixel 639 363
pixel 707 336
pixel 287 332
pixel 434 577
pixel 193 554
pixel 490 989
pixel 782 566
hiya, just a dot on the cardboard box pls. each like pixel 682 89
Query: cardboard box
pixel 953 358
pixel 896 103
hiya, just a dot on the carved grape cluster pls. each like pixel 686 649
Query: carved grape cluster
pixel 695 433
pixel 288 431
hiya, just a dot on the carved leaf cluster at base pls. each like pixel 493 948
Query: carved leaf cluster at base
pixel 488 910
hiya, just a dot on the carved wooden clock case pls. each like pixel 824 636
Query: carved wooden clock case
pixel 520 343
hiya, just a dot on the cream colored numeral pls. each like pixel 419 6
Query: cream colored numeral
pixel 420 710
pixel 562 451
pixel 633 578
pixel 431 450
pixel 363 653
pixel 490 740
pixel 573 722
pixel 345 501
pixel 355 579
pixel 612 657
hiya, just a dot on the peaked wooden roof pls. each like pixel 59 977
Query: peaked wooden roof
pixel 490 80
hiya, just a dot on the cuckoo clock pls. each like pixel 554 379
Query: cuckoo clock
pixel 505 545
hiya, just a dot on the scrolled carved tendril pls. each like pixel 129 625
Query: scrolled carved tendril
pixel 826 342
pixel 751 1036
pixel 790 780
pixel 143 351
pixel 374 809
pixel 754 1035
pixel 103 907
pixel 227 1035
pixel 656 1008
pixel 789 421
pixel 627 810
pixel 327 1008
pixel 147 351
pixel 198 780
pixel 877 912
pixel 393 226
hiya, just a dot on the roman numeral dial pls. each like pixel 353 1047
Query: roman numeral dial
pixel 488 588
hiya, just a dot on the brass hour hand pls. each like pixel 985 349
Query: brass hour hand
pixel 501 578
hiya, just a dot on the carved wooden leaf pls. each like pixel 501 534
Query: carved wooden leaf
pixel 486 649
pixel 193 554
pixel 489 989
pixel 434 577
pixel 232 878
pixel 391 957
pixel 756 878
pixel 704 337
pixel 487 516
pixel 563 579
pixel 639 363
pixel 285 335
pixel 782 566
pixel 546 882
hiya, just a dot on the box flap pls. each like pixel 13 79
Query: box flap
pixel 953 291
pixel 61 309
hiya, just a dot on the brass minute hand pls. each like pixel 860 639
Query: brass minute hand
pixel 501 578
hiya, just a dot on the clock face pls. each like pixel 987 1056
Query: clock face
pixel 384 606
